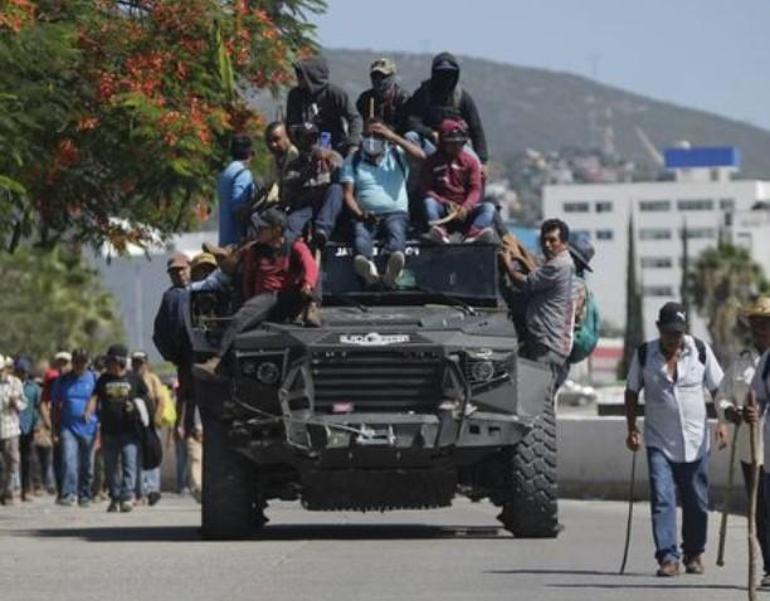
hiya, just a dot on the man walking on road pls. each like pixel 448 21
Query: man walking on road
pixel 12 403
pixel 673 370
pixel 27 422
pixel 729 404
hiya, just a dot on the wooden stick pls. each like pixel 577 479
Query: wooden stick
pixel 630 514
pixel 753 489
pixel 371 107
pixel 451 216
pixel 728 497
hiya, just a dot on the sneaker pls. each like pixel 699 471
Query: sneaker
pixel 484 236
pixel 438 234
pixel 320 239
pixel 765 582
pixel 65 501
pixel 668 569
pixel 693 564
pixel 311 317
pixel 112 507
pixel 84 503
pixel 153 498
pixel 393 271
pixel 126 507
pixel 366 270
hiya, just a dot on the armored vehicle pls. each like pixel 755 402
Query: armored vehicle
pixel 403 399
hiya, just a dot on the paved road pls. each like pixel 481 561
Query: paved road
pixel 155 554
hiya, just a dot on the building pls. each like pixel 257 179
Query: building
pixel 751 230
pixel 700 198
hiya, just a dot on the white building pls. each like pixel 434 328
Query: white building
pixel 701 197
pixel 751 230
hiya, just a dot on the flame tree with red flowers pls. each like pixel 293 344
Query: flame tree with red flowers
pixel 115 116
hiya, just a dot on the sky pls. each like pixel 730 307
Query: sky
pixel 707 54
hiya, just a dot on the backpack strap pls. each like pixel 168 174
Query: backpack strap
pixel 641 352
pixel 358 157
pixel 701 346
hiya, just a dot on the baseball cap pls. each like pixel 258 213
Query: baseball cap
pixel 23 364
pixel 63 356
pixel 672 318
pixel 270 218
pixel 581 249
pixel 203 258
pixel 139 356
pixel 384 66
pixel 177 261
pixel 117 351
pixel 453 130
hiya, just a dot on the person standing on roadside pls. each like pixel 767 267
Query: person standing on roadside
pixel 114 402
pixel 148 481
pixel 673 370
pixel 27 422
pixel 44 434
pixel 729 405
pixel 12 403
pixel 60 366
pixel 77 432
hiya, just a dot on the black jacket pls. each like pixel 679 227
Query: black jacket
pixel 431 104
pixel 170 333
pixel 325 104
pixel 391 108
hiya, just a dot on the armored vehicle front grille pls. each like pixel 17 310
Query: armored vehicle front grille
pixel 377 380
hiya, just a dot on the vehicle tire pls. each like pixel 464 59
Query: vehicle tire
pixel 530 505
pixel 228 509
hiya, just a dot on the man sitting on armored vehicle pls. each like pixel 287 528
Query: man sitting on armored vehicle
pixel 283 153
pixel 374 179
pixel 310 189
pixel 385 99
pixel 279 280
pixel 451 188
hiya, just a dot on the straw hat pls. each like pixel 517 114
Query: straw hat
pixel 759 308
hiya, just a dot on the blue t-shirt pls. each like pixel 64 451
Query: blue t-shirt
pixel 28 417
pixel 379 188
pixel 234 188
pixel 71 394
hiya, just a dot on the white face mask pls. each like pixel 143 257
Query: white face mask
pixel 373 146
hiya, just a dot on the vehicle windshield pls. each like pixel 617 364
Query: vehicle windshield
pixel 437 274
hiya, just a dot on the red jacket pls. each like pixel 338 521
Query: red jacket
pixel 455 180
pixel 269 269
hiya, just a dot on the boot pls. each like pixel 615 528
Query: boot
pixel 311 316
pixel 208 371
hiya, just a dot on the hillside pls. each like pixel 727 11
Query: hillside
pixel 545 110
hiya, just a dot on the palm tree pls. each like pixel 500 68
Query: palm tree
pixel 721 281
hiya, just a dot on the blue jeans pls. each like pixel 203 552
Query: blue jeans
pixel 77 465
pixel 690 480
pixel 324 211
pixel 391 227
pixel 122 449
pixel 481 216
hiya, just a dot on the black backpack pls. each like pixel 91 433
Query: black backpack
pixel 152 449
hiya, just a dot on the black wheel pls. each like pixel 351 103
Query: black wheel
pixel 229 509
pixel 530 503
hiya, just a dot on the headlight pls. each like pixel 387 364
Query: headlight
pixel 482 371
pixel 482 366
pixel 268 372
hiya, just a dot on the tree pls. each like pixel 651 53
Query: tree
pixel 115 115
pixel 55 301
pixel 634 333
pixel 722 280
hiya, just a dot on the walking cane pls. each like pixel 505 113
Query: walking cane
pixel 752 537
pixel 728 497
pixel 630 513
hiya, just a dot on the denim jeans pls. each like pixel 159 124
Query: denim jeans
pixel 324 211
pixel 481 216
pixel 77 465
pixel 690 480
pixel 45 462
pixel 120 461
pixel 391 227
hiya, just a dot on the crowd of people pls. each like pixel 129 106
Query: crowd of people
pixel 75 429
